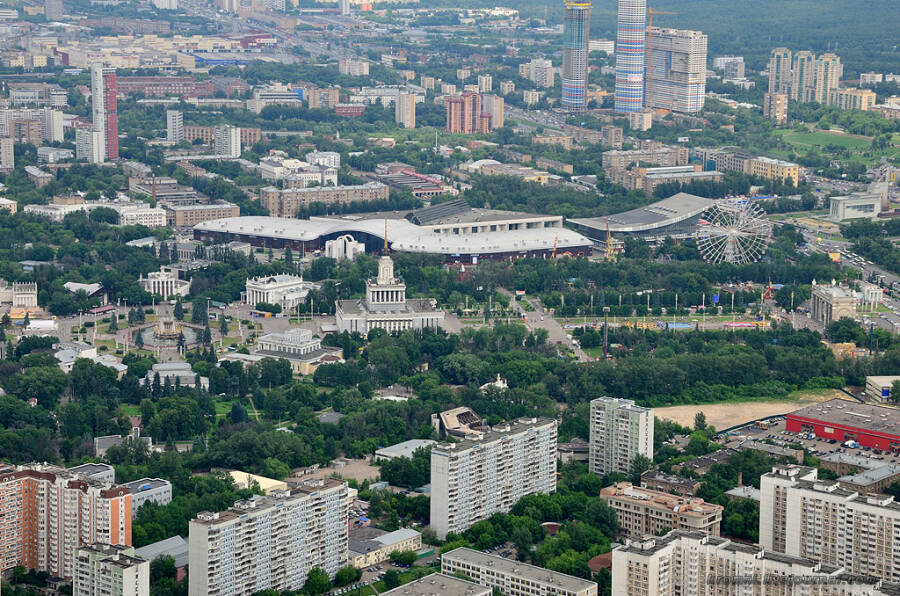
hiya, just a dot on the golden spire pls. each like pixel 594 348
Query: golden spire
pixel 385 250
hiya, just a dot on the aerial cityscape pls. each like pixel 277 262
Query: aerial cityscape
pixel 419 298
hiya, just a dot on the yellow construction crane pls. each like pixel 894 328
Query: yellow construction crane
pixel 650 12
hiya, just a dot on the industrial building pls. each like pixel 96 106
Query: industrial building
pixel 871 426
pixel 675 217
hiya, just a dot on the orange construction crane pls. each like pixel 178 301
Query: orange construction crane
pixel 650 12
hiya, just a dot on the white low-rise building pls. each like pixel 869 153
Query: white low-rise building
pixel 344 247
pixel 165 282
pixel 286 290
pixel 298 346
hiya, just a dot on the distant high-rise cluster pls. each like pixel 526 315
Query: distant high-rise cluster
pixel 576 31
pixel 803 76
pixel 466 114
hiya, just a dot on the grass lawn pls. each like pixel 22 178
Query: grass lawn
pixel 223 408
pixel 821 138
pixel 131 409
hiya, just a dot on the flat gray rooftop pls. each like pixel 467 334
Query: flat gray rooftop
pixel 668 211
pixel 518 569
pixel 438 583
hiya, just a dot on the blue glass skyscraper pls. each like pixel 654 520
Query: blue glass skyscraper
pixel 577 30
pixel 631 55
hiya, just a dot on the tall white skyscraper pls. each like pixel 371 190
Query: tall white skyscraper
pixel 103 108
pixel 631 33
pixel 676 69
pixel 620 431
pixel 269 542
pixel 345 7
pixel 475 478
pixel 174 126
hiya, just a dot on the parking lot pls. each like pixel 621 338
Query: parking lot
pixel 777 433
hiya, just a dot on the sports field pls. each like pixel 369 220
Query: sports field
pixel 820 139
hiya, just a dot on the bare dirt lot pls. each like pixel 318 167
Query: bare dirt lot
pixel 357 469
pixel 729 414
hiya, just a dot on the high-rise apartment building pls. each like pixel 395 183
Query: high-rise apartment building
pixel 7 154
pixel 576 32
pixel 803 516
pixel 780 80
pixel 493 105
pixel 619 432
pixel 475 478
pixel 631 37
pixel 344 5
pixel 53 10
pixel 269 542
pixel 227 141
pixel 108 570
pixel 103 108
pixel 676 69
pixel 539 71
pixel 803 76
pixel 89 145
pixel 49 513
pixel 405 110
pixel 465 115
pixel 827 76
pixel 684 563
pixel 485 83
pixel 775 107
pixel 174 126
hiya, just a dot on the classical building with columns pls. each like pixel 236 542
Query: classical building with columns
pixel 386 306
pixel 283 289
pixel 165 282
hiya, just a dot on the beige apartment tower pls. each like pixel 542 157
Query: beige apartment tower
pixel 477 477
pixel 780 71
pixel 646 512
pixel 405 110
pixel 775 107
pixel 619 432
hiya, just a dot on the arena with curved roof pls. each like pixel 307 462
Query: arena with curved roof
pixel 675 217
pixel 403 236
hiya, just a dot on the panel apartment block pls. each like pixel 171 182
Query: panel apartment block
pixel 802 516
pixel 620 431
pixel 475 478
pixel 269 542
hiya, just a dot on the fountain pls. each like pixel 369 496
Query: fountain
pixel 165 332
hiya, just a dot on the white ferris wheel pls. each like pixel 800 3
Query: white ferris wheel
pixel 733 232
